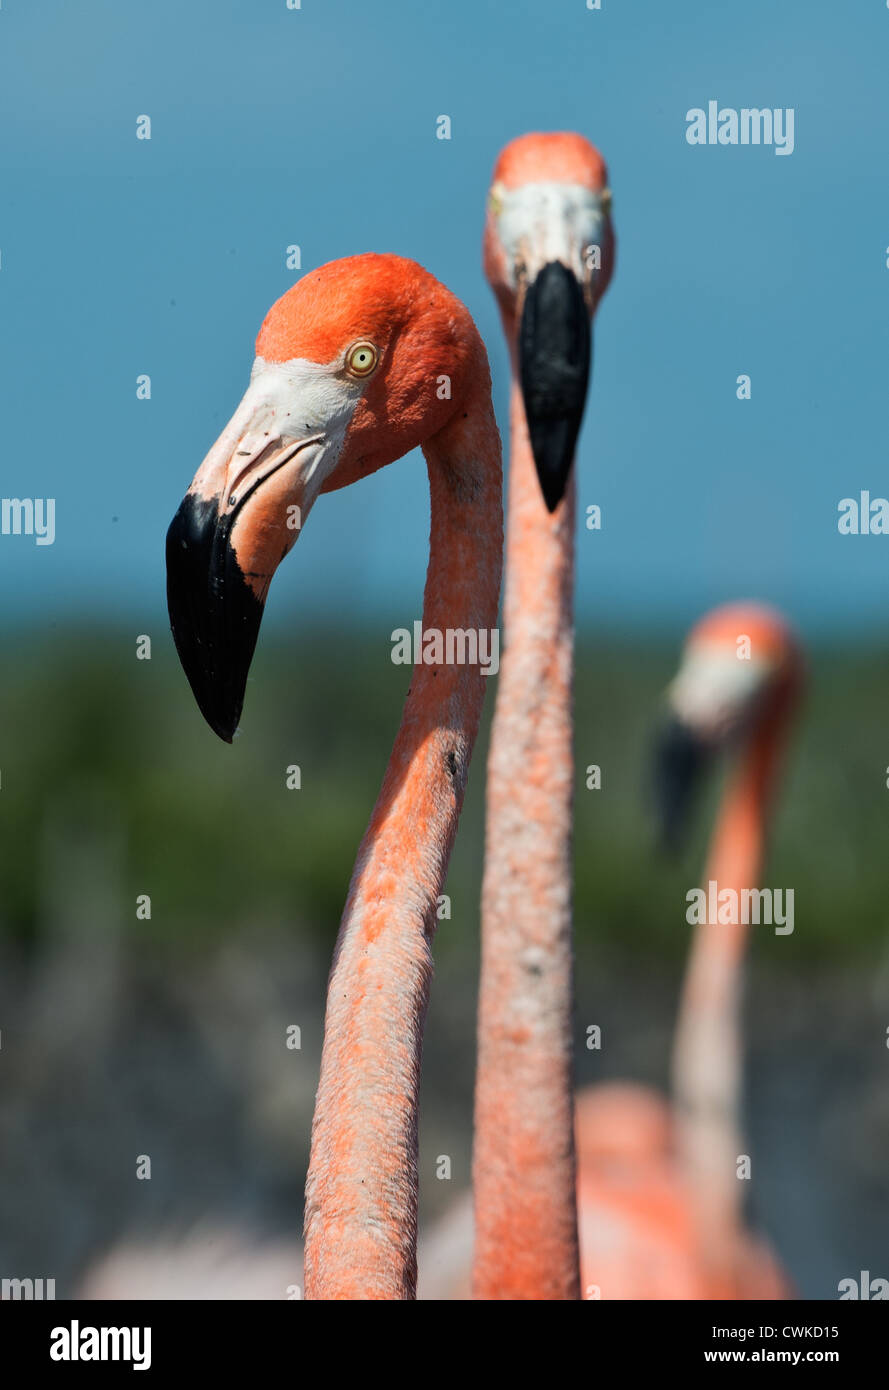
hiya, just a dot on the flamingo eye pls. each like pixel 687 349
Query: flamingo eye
pixel 605 199
pixel 361 359
pixel 495 199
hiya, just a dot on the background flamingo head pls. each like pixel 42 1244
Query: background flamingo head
pixel 620 1123
pixel 549 254
pixel 359 362
pixel 740 672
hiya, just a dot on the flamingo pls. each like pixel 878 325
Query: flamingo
pixel 659 1196
pixel 548 254
pixel 359 362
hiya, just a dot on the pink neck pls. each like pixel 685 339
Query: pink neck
pixel 707 1061
pixel 524 1167
pixel 361 1191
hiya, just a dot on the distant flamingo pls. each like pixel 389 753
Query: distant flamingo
pixel 659 1194
pixel 358 363
pixel 740 681
pixel 208 1262
pixel 549 253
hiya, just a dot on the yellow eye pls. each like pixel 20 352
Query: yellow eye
pixel 361 359
pixel 495 199
pixel 605 199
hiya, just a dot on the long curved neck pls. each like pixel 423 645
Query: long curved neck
pixel 361 1191
pixel 707 1058
pixel 524 1175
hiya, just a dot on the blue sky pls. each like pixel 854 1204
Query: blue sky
pixel 317 126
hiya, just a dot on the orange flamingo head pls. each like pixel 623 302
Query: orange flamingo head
pixel 620 1122
pixel 740 672
pixel 549 254
pixel 359 362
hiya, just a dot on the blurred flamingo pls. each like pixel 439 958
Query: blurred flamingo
pixel 659 1193
pixel 548 254
pixel 210 1262
pixel 349 376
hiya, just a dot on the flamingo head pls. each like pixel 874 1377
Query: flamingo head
pixel 549 254
pixel 740 671
pixel 359 362
pixel 620 1122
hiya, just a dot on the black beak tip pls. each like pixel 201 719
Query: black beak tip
pixel 214 613
pixel 225 730
pixel 668 841
pixel 553 490
pixel 680 756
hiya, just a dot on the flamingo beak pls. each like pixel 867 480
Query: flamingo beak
pixel 554 352
pixel 679 759
pixel 235 524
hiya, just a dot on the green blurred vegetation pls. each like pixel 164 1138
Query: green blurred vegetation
pixel 98 745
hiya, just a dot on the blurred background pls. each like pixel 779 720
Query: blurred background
pixel 123 1036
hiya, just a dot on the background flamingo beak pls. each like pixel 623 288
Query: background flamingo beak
pixel 554 351
pixel 680 756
